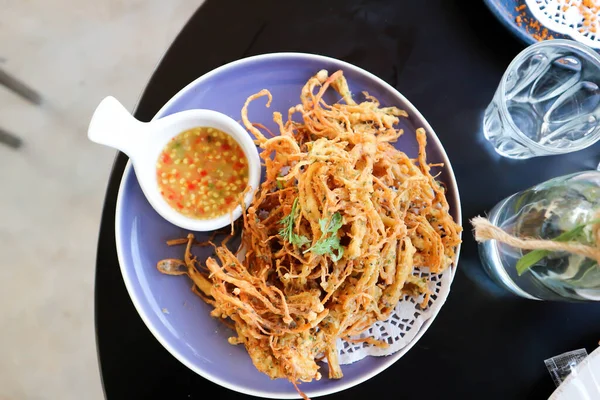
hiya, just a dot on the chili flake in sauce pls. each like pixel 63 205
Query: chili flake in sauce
pixel 201 172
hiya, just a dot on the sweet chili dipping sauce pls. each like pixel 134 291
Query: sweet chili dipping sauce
pixel 201 173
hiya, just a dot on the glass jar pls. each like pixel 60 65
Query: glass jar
pixel 545 211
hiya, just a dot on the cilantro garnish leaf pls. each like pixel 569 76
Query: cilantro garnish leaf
pixel 329 245
pixel 287 232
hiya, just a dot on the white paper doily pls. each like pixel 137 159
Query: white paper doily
pixel 405 322
pixel 569 17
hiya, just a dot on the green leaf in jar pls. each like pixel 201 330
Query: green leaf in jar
pixel 535 256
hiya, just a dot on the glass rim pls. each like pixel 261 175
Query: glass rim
pixel 566 43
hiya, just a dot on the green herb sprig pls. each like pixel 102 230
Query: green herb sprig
pixel 327 245
pixel 287 232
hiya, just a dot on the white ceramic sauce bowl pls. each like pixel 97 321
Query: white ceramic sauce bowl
pixel 112 125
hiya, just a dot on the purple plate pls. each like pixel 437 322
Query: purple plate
pixel 177 317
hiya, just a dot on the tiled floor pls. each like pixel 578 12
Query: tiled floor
pixel 73 52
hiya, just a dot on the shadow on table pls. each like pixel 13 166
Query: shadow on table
pixel 481 25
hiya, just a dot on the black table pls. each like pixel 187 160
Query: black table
pixel 445 56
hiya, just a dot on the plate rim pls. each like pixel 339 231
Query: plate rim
pixel 499 13
pixel 128 280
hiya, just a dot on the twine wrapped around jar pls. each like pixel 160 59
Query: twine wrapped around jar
pixel 484 230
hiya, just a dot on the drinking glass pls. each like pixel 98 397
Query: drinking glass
pixel 548 101
pixel 545 211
